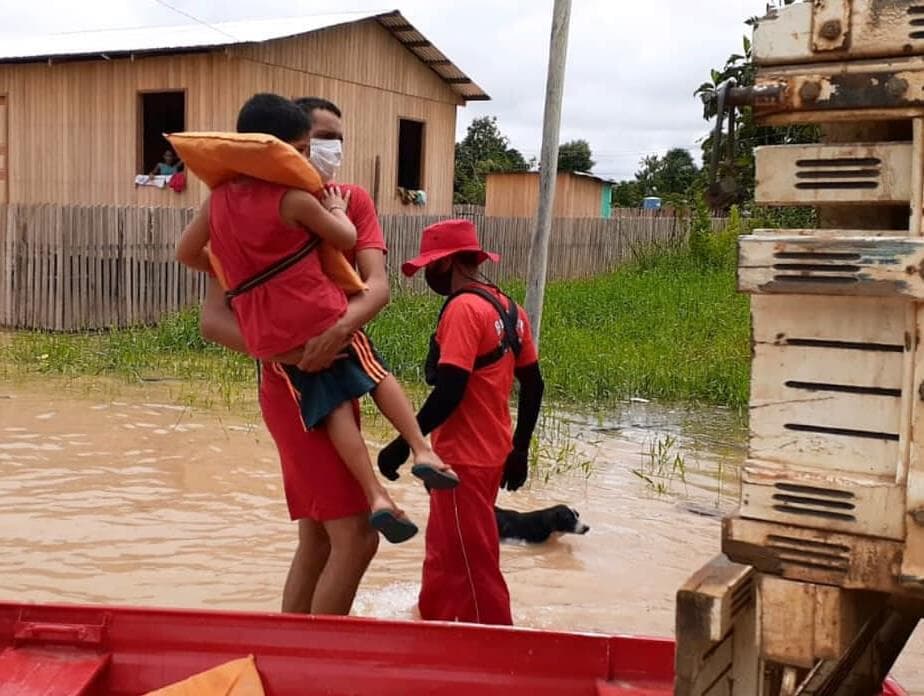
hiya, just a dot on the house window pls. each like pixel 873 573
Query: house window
pixel 410 154
pixel 159 112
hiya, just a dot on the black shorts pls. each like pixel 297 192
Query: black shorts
pixel 357 373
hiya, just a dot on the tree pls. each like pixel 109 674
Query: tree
pixel 627 194
pixel 483 150
pixel 676 172
pixel 737 171
pixel 575 156
pixel 670 177
pixel 646 177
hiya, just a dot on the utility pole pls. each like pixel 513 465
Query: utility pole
pixel 548 165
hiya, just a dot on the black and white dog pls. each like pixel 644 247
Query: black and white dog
pixel 537 526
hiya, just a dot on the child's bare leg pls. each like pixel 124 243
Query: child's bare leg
pixel 348 441
pixel 391 400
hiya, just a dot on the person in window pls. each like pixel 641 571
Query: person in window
pixel 168 166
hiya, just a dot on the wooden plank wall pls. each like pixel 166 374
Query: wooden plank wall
pixel 4 151
pixel 68 268
pixel 516 194
pixel 73 126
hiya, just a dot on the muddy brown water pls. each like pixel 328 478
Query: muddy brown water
pixel 137 500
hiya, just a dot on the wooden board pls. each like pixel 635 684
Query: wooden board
pixel 851 322
pixel 828 375
pixel 819 232
pixel 861 173
pixel 814 555
pixel 4 151
pixel 869 29
pixel 823 499
pixel 809 440
pixel 785 621
pixel 713 597
pixel 827 407
pixel 789 365
pixel 824 265
pixel 800 623
pixel 912 570
pixel 716 651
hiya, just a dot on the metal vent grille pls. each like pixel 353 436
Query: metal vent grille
pixel 818 267
pixel 850 173
pixel 817 555
pixel 916 21
pixel 742 597
pixel 809 501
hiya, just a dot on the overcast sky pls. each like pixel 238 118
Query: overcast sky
pixel 632 64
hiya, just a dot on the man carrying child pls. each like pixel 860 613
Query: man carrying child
pixel 317 462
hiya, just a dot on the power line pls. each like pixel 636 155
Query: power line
pixel 195 19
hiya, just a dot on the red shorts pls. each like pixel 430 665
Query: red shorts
pixel 317 483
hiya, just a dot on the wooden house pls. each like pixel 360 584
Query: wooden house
pixel 577 195
pixel 81 115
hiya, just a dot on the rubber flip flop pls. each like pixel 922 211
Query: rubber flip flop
pixel 395 529
pixel 436 479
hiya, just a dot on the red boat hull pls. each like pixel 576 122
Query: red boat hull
pixel 115 651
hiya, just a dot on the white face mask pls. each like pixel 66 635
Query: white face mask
pixel 326 156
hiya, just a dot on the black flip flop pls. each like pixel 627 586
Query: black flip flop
pixel 395 529
pixel 433 478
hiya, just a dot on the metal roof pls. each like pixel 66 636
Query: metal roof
pixel 588 175
pixel 188 38
pixel 591 175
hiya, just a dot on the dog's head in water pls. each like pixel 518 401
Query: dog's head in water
pixel 568 520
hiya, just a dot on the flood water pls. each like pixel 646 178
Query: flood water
pixel 136 500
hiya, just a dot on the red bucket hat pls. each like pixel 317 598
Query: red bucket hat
pixel 445 239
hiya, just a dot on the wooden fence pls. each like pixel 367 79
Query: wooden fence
pixel 69 268
pixel 467 210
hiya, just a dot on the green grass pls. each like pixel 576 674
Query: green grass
pixel 170 351
pixel 669 326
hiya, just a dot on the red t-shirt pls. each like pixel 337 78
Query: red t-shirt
pixel 361 212
pixel 479 431
pixel 247 236
pixel 307 457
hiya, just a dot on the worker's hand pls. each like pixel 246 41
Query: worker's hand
pixel 321 351
pixel 516 469
pixel 392 456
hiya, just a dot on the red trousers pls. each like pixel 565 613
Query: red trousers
pixel 462 580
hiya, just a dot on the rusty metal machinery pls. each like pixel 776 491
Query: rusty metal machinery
pixel 822 577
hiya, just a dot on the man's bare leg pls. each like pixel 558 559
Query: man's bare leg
pixel 353 543
pixel 311 556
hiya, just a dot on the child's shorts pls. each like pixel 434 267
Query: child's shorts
pixel 358 373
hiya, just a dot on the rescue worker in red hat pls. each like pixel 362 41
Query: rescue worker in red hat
pixel 482 342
